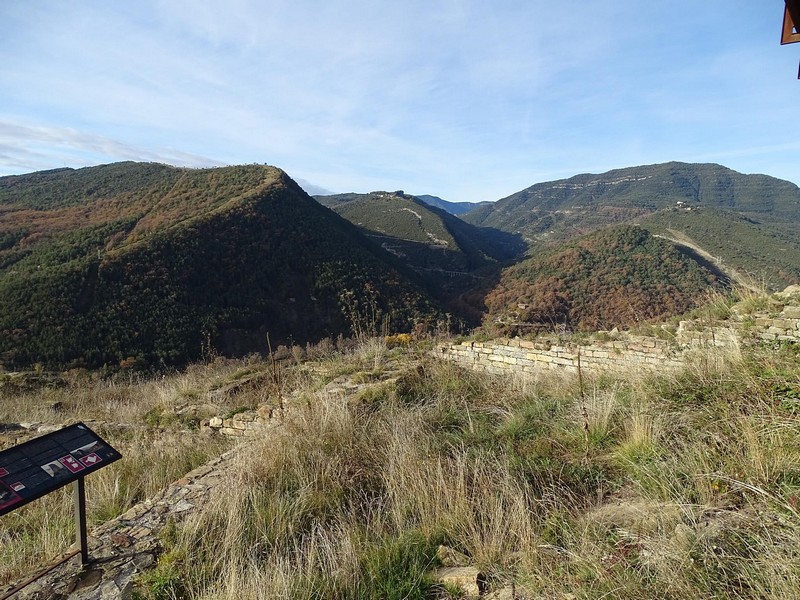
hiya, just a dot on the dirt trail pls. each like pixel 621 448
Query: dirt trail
pixel 714 263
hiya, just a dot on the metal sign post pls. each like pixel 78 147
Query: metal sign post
pixel 79 493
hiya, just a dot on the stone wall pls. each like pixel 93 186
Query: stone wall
pixel 784 327
pixel 244 424
pixel 523 356
pixel 629 353
pixel 254 423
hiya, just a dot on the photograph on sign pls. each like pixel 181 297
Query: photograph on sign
pixel 7 496
pixel 55 469
pixel 84 450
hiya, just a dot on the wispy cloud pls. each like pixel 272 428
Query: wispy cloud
pixel 464 99
pixel 30 148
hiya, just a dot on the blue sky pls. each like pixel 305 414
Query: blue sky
pixel 462 99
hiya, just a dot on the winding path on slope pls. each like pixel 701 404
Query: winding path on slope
pixel 708 260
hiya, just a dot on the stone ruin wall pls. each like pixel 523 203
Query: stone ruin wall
pixel 244 424
pixel 785 327
pixel 531 357
pixel 629 354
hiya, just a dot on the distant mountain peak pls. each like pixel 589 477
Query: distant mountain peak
pixel 751 220
pixel 454 208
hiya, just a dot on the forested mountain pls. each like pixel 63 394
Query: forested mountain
pixel 574 205
pixel 454 208
pixel 762 251
pixel 153 263
pixel 447 252
pixel 619 276
pixel 426 236
pixel 731 213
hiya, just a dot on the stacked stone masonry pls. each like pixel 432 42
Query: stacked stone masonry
pixel 629 354
pixel 532 357
pixel 244 424
pixel 785 327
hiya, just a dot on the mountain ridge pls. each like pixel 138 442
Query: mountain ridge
pixel 156 264
pixel 739 217
pixel 443 249
pixel 645 189
pixel 215 257
pixel 454 208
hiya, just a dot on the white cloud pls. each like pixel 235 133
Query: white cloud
pixel 25 148
pixel 466 100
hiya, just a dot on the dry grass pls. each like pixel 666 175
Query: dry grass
pixel 689 488
pixel 139 417
pixel 677 486
pixel 40 531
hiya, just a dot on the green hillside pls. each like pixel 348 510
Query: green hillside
pixel 615 277
pixel 749 220
pixel 768 253
pixel 451 255
pixel 428 236
pixel 397 215
pixel 156 263
pixel 587 201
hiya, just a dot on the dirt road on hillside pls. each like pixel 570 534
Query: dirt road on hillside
pixel 708 260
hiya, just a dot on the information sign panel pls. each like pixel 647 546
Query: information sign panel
pixel 39 466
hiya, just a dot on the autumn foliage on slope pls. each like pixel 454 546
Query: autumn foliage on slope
pixel 615 277
pixel 155 265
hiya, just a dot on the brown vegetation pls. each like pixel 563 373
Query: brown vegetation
pixel 616 277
